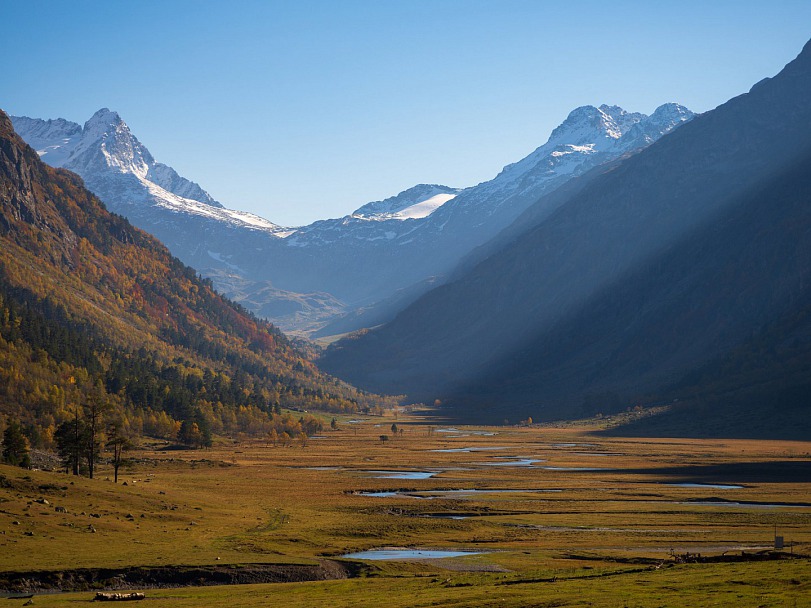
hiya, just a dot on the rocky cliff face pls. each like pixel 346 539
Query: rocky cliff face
pixel 23 213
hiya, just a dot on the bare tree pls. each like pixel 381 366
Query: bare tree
pixel 93 415
pixel 119 442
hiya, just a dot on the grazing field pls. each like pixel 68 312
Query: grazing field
pixel 553 516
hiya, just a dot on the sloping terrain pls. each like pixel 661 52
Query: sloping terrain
pixel 559 315
pixel 93 309
pixel 738 290
pixel 387 252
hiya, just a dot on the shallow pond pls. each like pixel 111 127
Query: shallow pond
pixel 475 491
pixel 402 474
pixel 523 462
pixel 743 505
pixel 716 486
pixel 406 554
pixel 460 450
pixel 461 494
pixel 390 494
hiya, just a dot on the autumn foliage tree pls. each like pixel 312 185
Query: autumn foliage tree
pixel 94 311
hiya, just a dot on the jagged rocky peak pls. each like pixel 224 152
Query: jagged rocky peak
pixel 46 129
pixel 53 139
pixel 427 228
pixel 588 131
pixel 130 154
pixel 663 120
pixel 604 128
pixel 590 125
pixel 671 114
pixel 120 149
pixel 103 120
pixel 105 144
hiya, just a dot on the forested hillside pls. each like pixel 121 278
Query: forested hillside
pixel 96 312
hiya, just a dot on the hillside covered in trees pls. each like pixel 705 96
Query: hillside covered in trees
pixel 96 313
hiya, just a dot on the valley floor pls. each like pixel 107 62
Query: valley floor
pixel 551 516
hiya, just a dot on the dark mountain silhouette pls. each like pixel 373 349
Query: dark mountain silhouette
pixel 663 265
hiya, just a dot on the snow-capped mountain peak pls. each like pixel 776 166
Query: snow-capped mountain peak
pixel 107 142
pixel 46 131
pixel 102 121
pixel 382 248
pixel 53 140
pixel 664 119
pixel 415 203
pixel 670 114
pixel 597 126
pixel 106 145
pixel 605 131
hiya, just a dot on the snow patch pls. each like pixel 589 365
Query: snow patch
pixel 218 257
pixel 107 155
pixel 418 211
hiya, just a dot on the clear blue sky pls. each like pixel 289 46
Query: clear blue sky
pixel 302 110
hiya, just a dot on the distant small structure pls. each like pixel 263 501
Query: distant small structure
pixel 778 540
pixel 778 543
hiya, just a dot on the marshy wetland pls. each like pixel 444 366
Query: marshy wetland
pixel 519 516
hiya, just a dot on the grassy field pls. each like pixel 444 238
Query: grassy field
pixel 561 516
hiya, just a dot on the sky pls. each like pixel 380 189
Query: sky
pixel 306 109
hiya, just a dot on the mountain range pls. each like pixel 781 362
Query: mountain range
pixel 94 310
pixel 334 275
pixel 680 273
pixel 624 264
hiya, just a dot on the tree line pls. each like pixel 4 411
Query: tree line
pixel 49 363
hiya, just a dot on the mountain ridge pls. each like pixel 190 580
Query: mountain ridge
pixel 95 310
pixel 381 249
pixel 608 228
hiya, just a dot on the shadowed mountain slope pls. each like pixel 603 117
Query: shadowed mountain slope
pixel 553 316
pixel 737 290
pixel 358 269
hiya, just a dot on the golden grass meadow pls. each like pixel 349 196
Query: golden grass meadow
pixel 552 516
